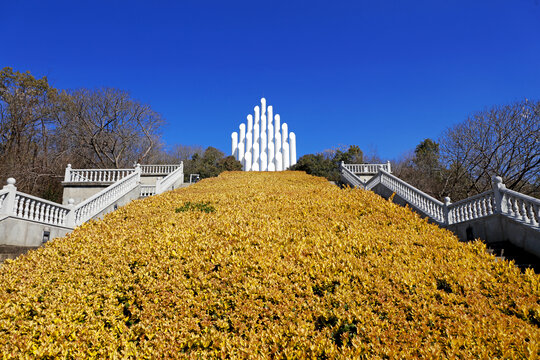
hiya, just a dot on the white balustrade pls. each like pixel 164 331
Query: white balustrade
pixel 350 177
pixel 35 209
pixel 472 208
pixel 95 175
pixel 521 207
pixel 420 200
pixel 148 190
pixel 500 200
pixel 159 169
pixel 100 201
pixel 168 181
pixel 366 169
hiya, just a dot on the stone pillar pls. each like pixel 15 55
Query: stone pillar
pixel 271 152
pixel 292 147
pixel 498 191
pixel 278 157
pixel 285 146
pixel 447 203
pixel 70 217
pixel 8 205
pixel 263 166
pixel 234 145
pixel 67 174
pixel 389 168
pixel 241 146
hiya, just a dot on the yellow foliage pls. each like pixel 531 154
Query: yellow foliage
pixel 285 265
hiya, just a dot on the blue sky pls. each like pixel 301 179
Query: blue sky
pixel 380 74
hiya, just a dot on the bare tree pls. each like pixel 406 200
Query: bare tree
pixel 501 141
pixel 106 128
pixel 27 107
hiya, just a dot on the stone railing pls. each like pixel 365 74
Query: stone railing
pixel 515 205
pixel 169 180
pixel 24 206
pixel 159 169
pixel 499 200
pixel 95 175
pixel 367 168
pixel 148 190
pixel 349 177
pixel 471 208
pixel 416 198
pixel 100 201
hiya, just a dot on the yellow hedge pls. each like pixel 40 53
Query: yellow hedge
pixel 270 265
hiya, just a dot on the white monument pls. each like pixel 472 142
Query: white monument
pixel 265 144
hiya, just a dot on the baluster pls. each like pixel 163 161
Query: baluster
pixel 489 205
pixel 524 214
pixel 26 208
pixel 515 209
pixel 532 217
pixel 512 207
pixel 31 209
pixel 474 208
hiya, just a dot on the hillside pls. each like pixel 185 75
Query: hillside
pixel 266 265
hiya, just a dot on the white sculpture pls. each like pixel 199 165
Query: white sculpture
pixel 265 145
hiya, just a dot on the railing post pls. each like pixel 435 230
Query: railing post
pixel 8 207
pixel 498 188
pixel 446 210
pixel 389 168
pixel 70 216
pixel 67 176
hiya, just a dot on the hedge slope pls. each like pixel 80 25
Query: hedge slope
pixel 266 265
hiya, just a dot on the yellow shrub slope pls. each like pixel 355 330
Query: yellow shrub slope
pixel 266 265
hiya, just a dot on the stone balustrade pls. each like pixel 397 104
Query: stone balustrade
pixel 159 169
pixel 97 203
pixel 24 206
pixel 168 181
pixel 95 175
pixel 417 198
pixel 368 168
pixel 471 208
pixel 499 200
pixel 519 206
pixel 148 190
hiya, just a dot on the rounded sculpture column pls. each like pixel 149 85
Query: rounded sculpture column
pixel 256 141
pixel 270 140
pixel 278 157
pixel 249 143
pixel 292 147
pixel 285 146
pixel 263 160
pixel 234 145
pixel 241 146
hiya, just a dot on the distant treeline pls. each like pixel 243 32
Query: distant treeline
pixel 500 141
pixel 42 129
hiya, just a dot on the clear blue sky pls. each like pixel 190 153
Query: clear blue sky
pixel 380 74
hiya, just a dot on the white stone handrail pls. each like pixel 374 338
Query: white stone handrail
pixel 159 169
pixel 368 168
pixel 33 208
pixel 98 202
pixel 148 190
pixel 169 180
pixel 350 177
pixel 95 175
pixel 500 200
pixel 416 198
pixel 520 206
pixel 474 207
